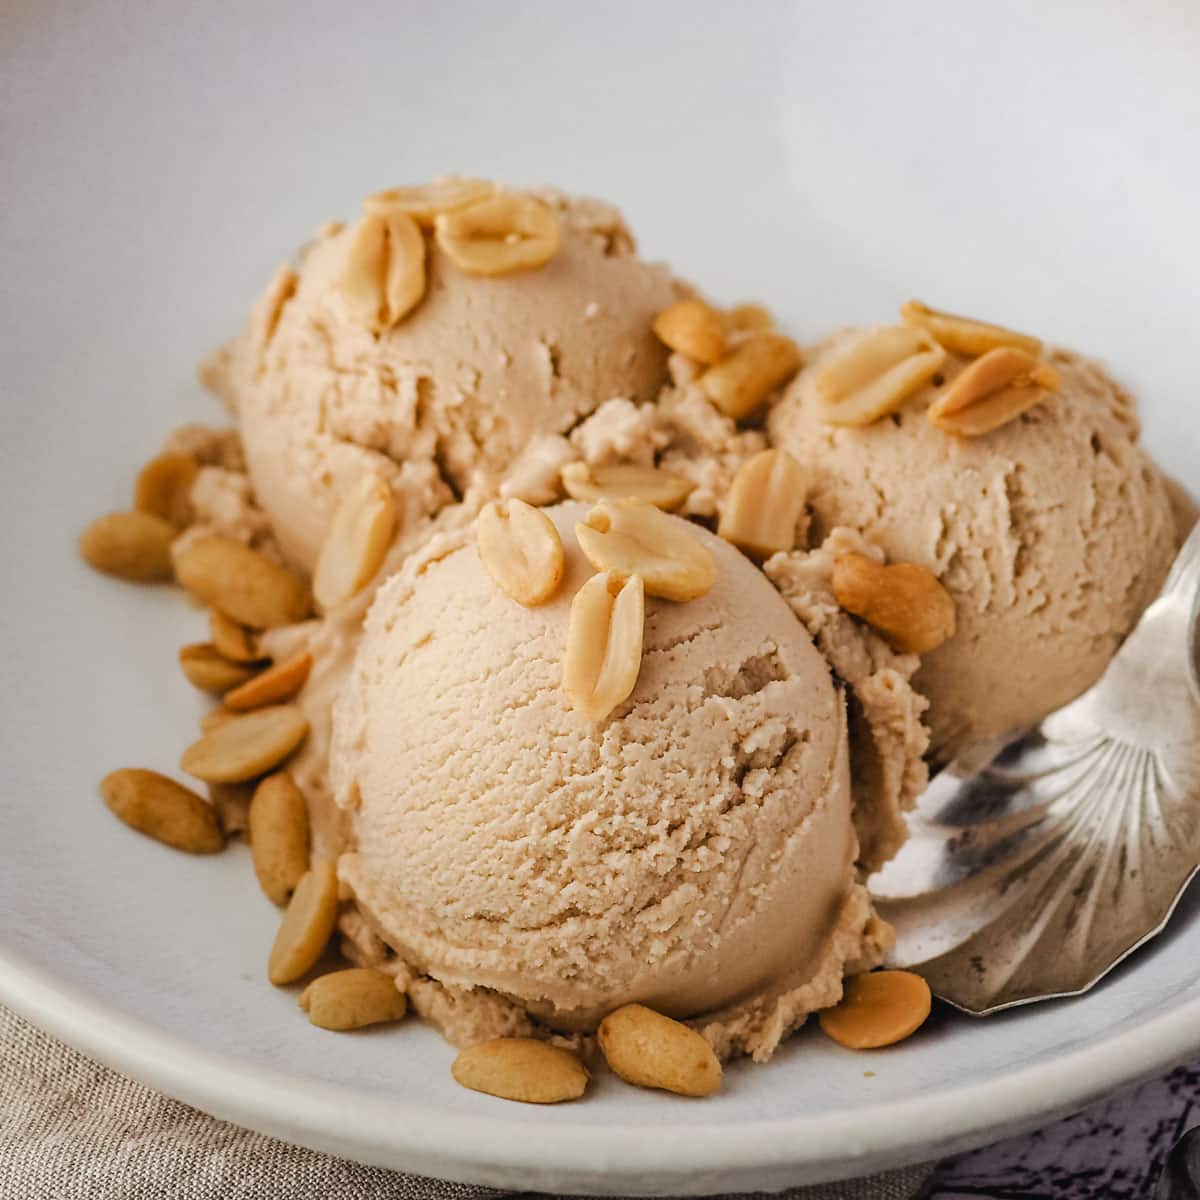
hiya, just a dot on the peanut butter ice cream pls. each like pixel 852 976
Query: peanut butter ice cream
pixel 1052 532
pixel 694 852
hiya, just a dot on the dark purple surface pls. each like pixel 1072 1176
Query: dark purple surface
pixel 1113 1150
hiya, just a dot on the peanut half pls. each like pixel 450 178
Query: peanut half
pixel 241 582
pixel 625 482
pixel 876 374
pixel 694 328
pixel 162 809
pixel 604 644
pixel 426 201
pixel 764 504
pixel 209 671
pixel 748 318
pixel 306 927
pixel 356 542
pixel 352 999
pixel 383 278
pixel 507 233
pixel 164 487
pixel 246 747
pixel 652 1051
pixel 232 641
pixel 742 380
pixel 520 547
pixel 278 825
pixel 631 537
pixel 521 1069
pixel 903 601
pixel 275 685
pixel 992 391
pixel 963 335
pixel 130 545
pixel 878 1009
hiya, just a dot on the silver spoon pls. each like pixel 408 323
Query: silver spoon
pixel 1032 878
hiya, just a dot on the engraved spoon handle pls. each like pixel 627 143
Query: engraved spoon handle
pixel 1184 581
pixel 1148 676
pixel 1184 576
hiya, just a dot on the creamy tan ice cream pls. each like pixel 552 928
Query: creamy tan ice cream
pixel 694 852
pixel 443 404
pixel 888 737
pixel 1052 533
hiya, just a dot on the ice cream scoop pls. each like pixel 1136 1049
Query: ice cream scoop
pixel 441 403
pixel 691 851
pixel 1052 533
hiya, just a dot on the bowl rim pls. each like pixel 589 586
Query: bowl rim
pixel 480 1149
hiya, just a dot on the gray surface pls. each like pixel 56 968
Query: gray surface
pixel 1114 1149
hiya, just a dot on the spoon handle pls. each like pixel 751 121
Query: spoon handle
pixel 1184 581
pixel 1184 576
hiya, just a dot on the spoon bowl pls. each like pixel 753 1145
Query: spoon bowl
pixel 1031 878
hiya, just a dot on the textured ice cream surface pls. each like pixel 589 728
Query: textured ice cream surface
pixel 1051 533
pixel 690 852
pixel 681 432
pixel 888 737
pixel 444 403
pixel 857 941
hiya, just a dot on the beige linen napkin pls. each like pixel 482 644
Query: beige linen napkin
pixel 71 1129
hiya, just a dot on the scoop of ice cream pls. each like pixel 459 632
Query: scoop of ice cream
pixel 444 402
pixel 1052 533
pixel 690 851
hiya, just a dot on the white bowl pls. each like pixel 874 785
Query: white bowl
pixel 1029 165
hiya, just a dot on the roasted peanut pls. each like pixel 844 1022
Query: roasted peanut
pixel 652 1051
pixel 903 601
